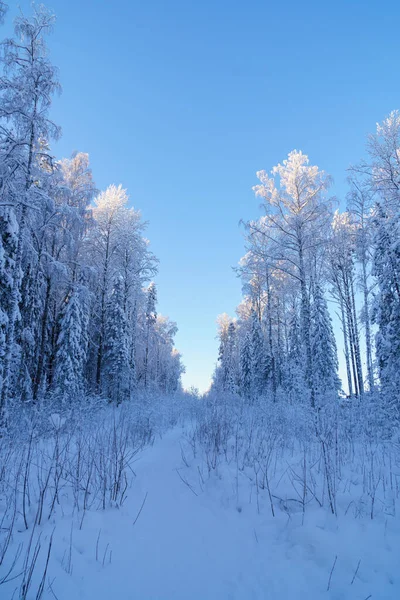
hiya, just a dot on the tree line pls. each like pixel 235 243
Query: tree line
pixel 304 251
pixel 78 307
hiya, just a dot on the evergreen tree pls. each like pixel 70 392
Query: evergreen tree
pixel 323 347
pixel 101 247
pixel 116 358
pixel 246 366
pixel 294 378
pixel 151 318
pixel 8 247
pixel 72 344
pixel 387 304
pixel 383 175
pixel 229 361
pixel 258 367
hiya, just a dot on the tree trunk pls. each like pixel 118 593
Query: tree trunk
pixel 42 349
pixel 270 338
pixel 306 323
pixel 357 341
pixel 368 339
pixel 346 347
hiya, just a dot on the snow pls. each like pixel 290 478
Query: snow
pixel 207 539
pixel 57 421
pixel 116 484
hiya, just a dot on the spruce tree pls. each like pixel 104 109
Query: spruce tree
pixel 245 366
pixel 116 357
pixel 72 344
pixel 229 361
pixel 295 377
pixel 323 347
pixel 257 356
pixel 8 248
pixel 151 318
pixel 386 312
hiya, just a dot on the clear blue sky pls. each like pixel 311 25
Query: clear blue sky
pixel 182 102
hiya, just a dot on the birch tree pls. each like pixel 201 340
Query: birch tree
pixel 297 214
pixel 360 206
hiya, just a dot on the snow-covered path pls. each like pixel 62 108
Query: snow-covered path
pixel 179 548
pixel 201 547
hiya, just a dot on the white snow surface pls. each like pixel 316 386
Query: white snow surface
pixel 210 542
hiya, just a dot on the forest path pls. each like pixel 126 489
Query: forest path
pixel 181 547
pixel 210 546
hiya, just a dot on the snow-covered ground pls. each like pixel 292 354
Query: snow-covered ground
pixel 182 535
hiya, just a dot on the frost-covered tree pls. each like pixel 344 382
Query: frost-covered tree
pixel 164 369
pixel 150 320
pixel 295 376
pixel 26 88
pixel 227 373
pixel 101 247
pixel 73 196
pixel 229 360
pixel 173 372
pixel 136 265
pixel 116 358
pixel 387 307
pixel 257 354
pixel 245 366
pixel 72 345
pixel 258 278
pixel 384 151
pixel 342 275
pixel 56 240
pixel 360 201
pixel 297 216
pixel 380 175
pixel 323 347
pixel 8 248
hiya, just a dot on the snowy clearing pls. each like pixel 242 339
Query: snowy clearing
pixel 179 535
